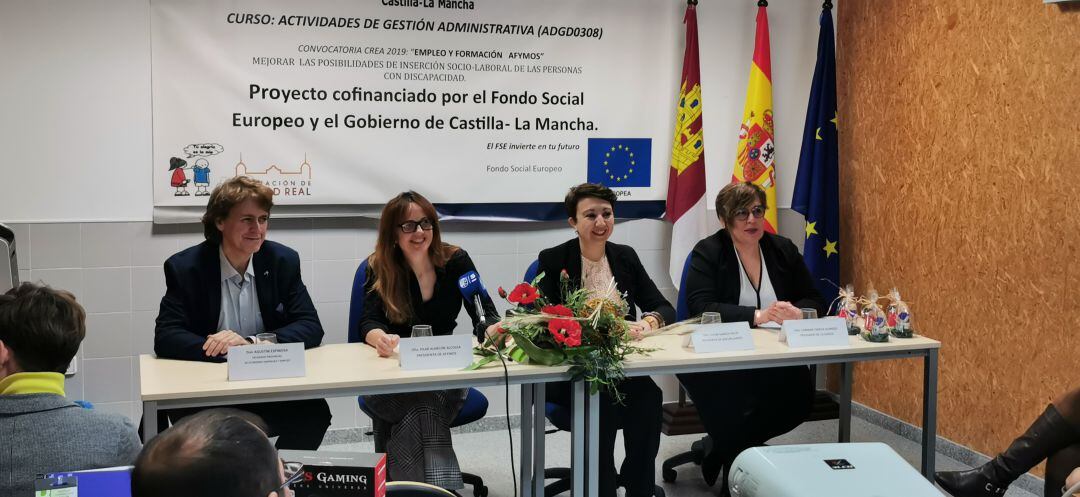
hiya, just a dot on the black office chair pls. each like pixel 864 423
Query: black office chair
pixel 415 489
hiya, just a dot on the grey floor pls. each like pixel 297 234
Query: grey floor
pixel 487 454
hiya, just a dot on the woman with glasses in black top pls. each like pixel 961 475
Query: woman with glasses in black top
pixel 746 274
pixel 412 279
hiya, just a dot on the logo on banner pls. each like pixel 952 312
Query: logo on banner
pixel 284 182
pixel 194 170
pixel 620 162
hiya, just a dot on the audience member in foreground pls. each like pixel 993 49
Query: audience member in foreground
pixel 41 431
pixel 219 452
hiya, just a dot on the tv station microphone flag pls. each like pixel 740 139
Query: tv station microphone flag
pixel 686 207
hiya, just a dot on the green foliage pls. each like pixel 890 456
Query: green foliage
pixel 605 341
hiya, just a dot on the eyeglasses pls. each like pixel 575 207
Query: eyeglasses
pixel 296 472
pixel 742 214
pixel 410 226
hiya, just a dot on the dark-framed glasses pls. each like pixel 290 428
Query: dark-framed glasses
pixel 410 226
pixel 758 212
pixel 294 472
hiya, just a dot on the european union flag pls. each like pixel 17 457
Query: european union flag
pixel 620 162
pixel 817 184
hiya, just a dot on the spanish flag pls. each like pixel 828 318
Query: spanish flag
pixel 686 207
pixel 756 153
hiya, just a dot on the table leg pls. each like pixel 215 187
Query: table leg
pixel 527 453
pixel 578 439
pixel 150 427
pixel 847 372
pixel 539 432
pixel 592 460
pixel 929 432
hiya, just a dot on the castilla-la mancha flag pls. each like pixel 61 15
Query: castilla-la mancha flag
pixel 686 180
pixel 756 153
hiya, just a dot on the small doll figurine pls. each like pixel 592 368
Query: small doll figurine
pixel 898 316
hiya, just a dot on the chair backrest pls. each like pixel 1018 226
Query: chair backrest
pixel 530 273
pixel 356 301
pixel 682 309
pixel 415 489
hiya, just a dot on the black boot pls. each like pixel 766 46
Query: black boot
pixel 1048 434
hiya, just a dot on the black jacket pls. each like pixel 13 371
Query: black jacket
pixel 192 302
pixel 440 311
pixel 630 277
pixel 712 282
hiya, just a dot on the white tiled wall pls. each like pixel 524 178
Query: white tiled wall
pixel 115 270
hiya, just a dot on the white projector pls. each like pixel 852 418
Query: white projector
pixel 819 470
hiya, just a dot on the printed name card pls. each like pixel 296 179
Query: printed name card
pixel 266 361
pixel 721 337
pixel 823 332
pixel 436 352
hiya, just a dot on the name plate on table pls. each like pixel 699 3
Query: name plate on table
pixel 436 352
pixel 823 332
pixel 266 361
pixel 721 337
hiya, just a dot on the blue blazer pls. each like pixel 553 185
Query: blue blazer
pixel 192 302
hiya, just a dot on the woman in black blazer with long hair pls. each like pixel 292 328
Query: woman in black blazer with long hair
pixel 591 261
pixel 746 274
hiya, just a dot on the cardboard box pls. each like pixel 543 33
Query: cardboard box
pixel 339 474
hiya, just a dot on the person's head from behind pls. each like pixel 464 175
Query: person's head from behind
pixel 741 207
pixel 40 329
pixel 590 208
pixel 238 214
pixel 220 452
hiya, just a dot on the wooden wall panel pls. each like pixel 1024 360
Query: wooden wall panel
pixel 960 167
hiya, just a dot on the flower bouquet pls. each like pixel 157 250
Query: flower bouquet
pixel 590 334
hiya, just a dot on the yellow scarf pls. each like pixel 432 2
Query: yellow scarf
pixel 28 383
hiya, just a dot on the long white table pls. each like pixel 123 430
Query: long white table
pixel 352 369
pixel 670 357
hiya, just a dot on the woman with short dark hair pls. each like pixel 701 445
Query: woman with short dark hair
pixel 592 262
pixel 746 274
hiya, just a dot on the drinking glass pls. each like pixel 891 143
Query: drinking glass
pixel 421 330
pixel 710 317
pixel 266 338
pixel 809 313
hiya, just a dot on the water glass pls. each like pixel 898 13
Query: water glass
pixel 710 317
pixel 262 338
pixel 809 313
pixel 421 330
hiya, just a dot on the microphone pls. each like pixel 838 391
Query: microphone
pixel 471 289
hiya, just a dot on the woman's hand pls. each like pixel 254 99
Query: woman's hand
pixel 780 311
pixel 493 330
pixel 383 342
pixel 637 328
pixel 1073 479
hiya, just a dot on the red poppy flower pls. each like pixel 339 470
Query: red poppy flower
pixel 565 331
pixel 499 329
pixel 502 293
pixel 573 337
pixel 558 310
pixel 523 293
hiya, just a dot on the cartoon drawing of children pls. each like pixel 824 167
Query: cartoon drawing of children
pixel 179 178
pixel 202 178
